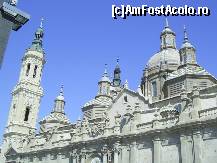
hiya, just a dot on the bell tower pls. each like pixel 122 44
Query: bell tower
pixel 27 94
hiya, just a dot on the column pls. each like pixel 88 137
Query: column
pixel 62 158
pixel 44 159
pixel 105 158
pixel 115 156
pixel 35 159
pixel 104 151
pixel 197 141
pixel 186 149
pixel 157 150
pixel 83 157
pixel 133 153
pixel 59 157
pixel 116 150
pixel 125 154
pixel 74 158
pixel 47 158
pixel 82 160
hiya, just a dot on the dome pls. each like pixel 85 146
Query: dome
pixel 187 45
pixel 169 56
pixel 60 98
pixel 167 30
pixel 105 79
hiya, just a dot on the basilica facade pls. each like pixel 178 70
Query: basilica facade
pixel 171 118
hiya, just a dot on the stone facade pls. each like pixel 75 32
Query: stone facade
pixel 171 118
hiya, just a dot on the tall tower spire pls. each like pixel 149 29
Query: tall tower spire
pixel 27 94
pixel 187 51
pixel 168 37
pixel 38 40
pixel 117 75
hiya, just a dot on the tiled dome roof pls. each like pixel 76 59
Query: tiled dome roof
pixel 169 56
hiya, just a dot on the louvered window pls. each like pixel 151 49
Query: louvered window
pixel 176 88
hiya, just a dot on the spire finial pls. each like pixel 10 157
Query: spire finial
pixel 126 85
pixel 59 102
pixel 105 76
pixel 167 23
pixel 61 90
pixel 42 21
pixel 118 60
pixel 106 72
pixel 185 34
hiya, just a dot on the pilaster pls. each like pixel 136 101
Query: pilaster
pixel 157 149
pixel 105 153
pixel 125 154
pixel 133 152
pixel 196 103
pixel 197 141
pixel 186 149
pixel 74 157
pixel 83 156
pixel 116 150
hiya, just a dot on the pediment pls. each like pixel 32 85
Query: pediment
pixel 130 93
pixel 127 102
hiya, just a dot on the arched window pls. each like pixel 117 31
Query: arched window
pixel 35 71
pixel 125 99
pixel 26 118
pixel 154 89
pixel 28 69
pixel 96 160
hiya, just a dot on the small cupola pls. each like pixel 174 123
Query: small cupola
pixel 104 84
pixel 187 51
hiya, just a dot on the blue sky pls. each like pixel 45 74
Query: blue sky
pixel 81 36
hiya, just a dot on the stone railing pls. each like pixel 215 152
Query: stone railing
pixel 171 121
pixel 208 112
pixel 162 123
pixel 145 126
